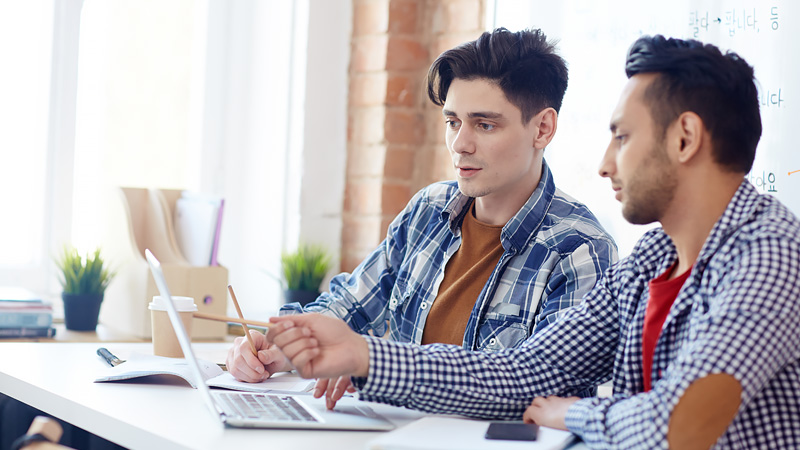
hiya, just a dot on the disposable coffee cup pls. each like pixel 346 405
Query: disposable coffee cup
pixel 165 341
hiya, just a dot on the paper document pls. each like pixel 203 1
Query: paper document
pixel 444 433
pixel 279 383
pixel 197 223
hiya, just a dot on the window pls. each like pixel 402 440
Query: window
pixel 148 94
pixel 205 95
pixel 133 114
pixel 181 95
pixel 26 39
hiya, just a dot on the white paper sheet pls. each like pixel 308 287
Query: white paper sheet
pixel 444 433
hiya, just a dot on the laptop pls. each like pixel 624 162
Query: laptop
pixel 254 410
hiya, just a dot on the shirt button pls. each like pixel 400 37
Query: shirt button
pixel 492 341
pixel 393 302
pixel 423 305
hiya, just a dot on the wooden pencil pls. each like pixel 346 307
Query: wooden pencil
pixel 218 318
pixel 244 325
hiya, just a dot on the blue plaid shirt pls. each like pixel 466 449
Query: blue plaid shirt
pixel 555 251
pixel 737 314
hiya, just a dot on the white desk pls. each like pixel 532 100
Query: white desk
pixel 58 379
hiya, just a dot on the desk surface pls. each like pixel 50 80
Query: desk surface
pixel 58 378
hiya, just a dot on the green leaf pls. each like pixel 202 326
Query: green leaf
pixel 306 268
pixel 82 275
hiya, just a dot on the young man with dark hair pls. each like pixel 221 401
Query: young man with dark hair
pixel 490 259
pixel 697 328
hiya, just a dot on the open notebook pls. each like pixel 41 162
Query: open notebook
pixel 139 365
pixel 251 410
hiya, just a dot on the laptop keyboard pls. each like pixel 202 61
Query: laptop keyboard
pixel 273 407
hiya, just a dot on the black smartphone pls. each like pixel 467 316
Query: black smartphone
pixel 512 431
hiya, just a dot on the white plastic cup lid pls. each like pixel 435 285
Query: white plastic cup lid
pixel 181 304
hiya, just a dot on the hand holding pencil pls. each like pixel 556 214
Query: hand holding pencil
pixel 244 325
pixel 251 358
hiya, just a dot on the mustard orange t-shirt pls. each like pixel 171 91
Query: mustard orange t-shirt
pixel 464 277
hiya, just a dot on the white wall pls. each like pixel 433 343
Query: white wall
pixel 281 154
pixel 594 38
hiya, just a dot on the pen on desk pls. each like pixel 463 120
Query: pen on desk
pixel 109 357
pixel 113 361
pixel 244 325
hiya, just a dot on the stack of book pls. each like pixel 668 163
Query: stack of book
pixel 23 314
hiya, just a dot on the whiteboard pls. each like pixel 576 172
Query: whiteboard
pixel 594 36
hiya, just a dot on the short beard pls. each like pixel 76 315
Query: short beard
pixel 473 192
pixel 652 190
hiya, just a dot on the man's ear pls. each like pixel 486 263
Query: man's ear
pixel 689 133
pixel 546 122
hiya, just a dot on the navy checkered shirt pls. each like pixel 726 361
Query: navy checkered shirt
pixel 737 314
pixel 554 253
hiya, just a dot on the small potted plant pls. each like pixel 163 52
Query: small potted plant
pixel 303 272
pixel 84 280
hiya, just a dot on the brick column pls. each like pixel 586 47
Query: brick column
pixel 395 135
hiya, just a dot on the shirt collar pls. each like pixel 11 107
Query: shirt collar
pixel 740 210
pixel 661 252
pixel 523 225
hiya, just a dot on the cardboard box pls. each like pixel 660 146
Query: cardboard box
pixel 139 219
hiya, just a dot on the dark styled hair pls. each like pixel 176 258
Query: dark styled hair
pixel 523 64
pixel 697 77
